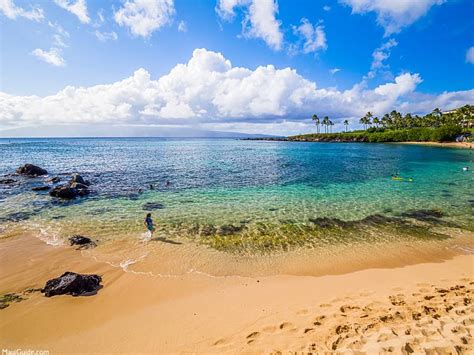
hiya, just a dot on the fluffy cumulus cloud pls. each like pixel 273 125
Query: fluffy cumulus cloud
pixel 78 8
pixel 470 55
pixel 10 10
pixel 313 37
pixel 53 56
pixel 259 19
pixel 393 15
pixel 380 55
pixel 143 17
pixel 208 91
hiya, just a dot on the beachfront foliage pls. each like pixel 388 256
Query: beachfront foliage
pixel 436 126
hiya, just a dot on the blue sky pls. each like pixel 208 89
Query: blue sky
pixel 249 65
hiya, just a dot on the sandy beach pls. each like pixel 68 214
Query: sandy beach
pixel 416 308
pixel 461 145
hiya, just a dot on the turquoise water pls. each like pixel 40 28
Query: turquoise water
pixel 242 197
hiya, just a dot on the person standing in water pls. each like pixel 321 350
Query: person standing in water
pixel 149 224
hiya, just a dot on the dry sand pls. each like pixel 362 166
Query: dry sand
pixel 418 308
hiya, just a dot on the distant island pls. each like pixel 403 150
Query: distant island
pixel 449 126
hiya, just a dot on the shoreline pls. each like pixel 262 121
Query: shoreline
pixel 459 145
pixel 138 313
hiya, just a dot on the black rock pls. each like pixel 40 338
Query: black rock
pixel 83 242
pixel 7 181
pixel 73 284
pixel 54 180
pixel 64 191
pixel 150 206
pixel 31 170
pixel 41 188
pixel 76 178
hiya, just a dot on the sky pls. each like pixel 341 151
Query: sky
pixel 252 66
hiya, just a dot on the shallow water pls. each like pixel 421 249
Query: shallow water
pixel 231 201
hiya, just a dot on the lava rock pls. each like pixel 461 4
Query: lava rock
pixel 73 284
pixel 40 188
pixel 150 206
pixel 76 178
pixel 31 170
pixel 64 191
pixel 82 242
pixel 54 180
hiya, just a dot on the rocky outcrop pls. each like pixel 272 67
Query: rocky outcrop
pixel 82 242
pixel 78 179
pixel 77 187
pixel 73 284
pixel 31 170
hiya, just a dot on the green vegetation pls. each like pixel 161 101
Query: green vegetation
pixel 436 126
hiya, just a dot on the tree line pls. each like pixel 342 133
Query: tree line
pixel 462 117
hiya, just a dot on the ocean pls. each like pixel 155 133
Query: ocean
pixel 229 206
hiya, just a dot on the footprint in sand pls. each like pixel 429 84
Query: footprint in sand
pixel 269 329
pixel 324 305
pixel 252 337
pixel 286 325
pixel 220 342
pixel 302 312
pixel 308 330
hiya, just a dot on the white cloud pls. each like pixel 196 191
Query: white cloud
pixel 209 91
pixel 334 70
pixel 78 8
pixel 106 36
pixel 393 15
pixel 53 56
pixel 10 10
pixel 259 21
pixel 327 8
pixel 314 37
pixel 143 17
pixel 182 27
pixel 379 56
pixel 470 55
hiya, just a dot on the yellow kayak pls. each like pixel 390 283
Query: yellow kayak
pixel 399 178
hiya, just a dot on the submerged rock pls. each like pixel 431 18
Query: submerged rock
pixel 424 215
pixel 228 229
pixel 54 180
pixel 83 242
pixel 150 206
pixel 73 284
pixel 40 188
pixel 7 181
pixel 31 170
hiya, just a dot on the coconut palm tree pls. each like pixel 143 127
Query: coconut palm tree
pixel 346 123
pixel 330 123
pixel 315 119
pixel 376 121
pixel 325 123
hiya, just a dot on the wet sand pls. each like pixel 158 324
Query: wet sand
pixel 415 308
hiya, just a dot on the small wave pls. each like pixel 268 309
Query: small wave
pixel 48 235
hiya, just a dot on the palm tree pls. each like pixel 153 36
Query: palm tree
pixel 330 123
pixel 325 123
pixel 315 119
pixel 376 121
pixel 366 120
pixel 346 123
